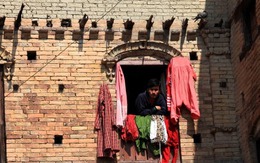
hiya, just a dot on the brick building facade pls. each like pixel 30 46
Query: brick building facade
pixel 50 76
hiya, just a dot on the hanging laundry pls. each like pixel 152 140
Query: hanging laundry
pixel 143 124
pixel 107 142
pixel 130 130
pixel 158 132
pixel 180 88
pixel 121 97
pixel 172 142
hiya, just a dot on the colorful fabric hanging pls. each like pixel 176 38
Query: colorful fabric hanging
pixel 107 141
pixel 181 88
pixel 121 97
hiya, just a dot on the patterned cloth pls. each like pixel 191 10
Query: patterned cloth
pixel 158 132
pixel 107 142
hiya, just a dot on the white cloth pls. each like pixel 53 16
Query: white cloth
pixel 158 132
pixel 153 129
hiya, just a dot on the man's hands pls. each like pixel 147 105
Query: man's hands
pixel 158 107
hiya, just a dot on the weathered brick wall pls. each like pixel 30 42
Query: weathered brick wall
pixel 38 111
pixel 247 87
pixel 126 9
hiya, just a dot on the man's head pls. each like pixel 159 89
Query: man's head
pixel 153 88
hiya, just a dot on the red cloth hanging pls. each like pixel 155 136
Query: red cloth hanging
pixel 181 88
pixel 130 131
pixel 107 141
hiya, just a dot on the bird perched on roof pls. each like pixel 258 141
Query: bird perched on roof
pixel 167 24
pixel 83 21
pixel 17 22
pixel 149 23
pixel 201 15
pixel 129 24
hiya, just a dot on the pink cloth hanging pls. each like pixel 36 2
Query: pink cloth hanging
pixel 180 88
pixel 121 97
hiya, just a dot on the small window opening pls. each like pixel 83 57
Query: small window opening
pixel 197 138
pixel 15 87
pixel 223 84
pixel 193 56
pixel 31 55
pixel 49 23
pixel 94 24
pixel 66 23
pixel 58 139
pixel 61 88
pixel 34 22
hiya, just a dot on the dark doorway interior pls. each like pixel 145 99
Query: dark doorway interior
pixel 136 78
pixel 2 119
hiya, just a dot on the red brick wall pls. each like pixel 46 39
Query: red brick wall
pixel 38 111
pixel 247 88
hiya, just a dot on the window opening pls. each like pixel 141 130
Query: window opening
pixel 136 78
pixel 66 23
pixel 196 138
pixel 58 139
pixel 223 84
pixel 31 55
pixel 61 88
pixel 34 22
pixel 15 88
pixel 193 56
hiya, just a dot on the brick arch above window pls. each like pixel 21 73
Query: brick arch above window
pixel 6 59
pixel 157 50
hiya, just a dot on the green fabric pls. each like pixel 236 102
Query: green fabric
pixel 154 148
pixel 143 124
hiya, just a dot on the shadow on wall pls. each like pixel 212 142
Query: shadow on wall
pixel 215 86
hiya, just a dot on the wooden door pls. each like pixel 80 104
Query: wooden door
pixel 2 119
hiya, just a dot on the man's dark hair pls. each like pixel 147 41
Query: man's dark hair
pixel 153 82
